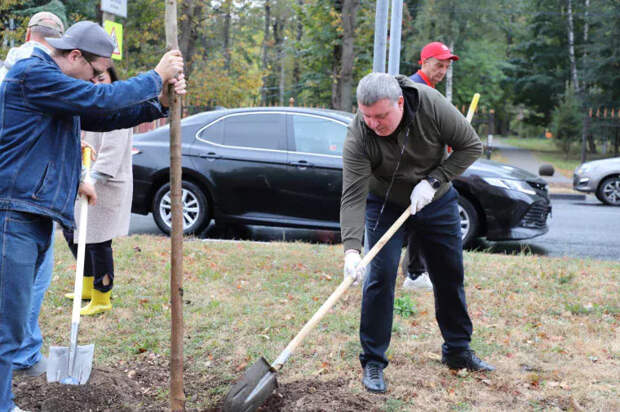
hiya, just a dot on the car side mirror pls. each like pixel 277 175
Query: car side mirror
pixel 546 170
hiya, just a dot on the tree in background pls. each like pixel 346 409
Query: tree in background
pixel 566 120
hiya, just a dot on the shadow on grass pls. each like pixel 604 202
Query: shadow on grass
pixel 507 248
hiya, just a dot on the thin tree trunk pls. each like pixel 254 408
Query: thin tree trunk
pixel 188 28
pixel 265 62
pixel 282 72
pixel 226 45
pixel 177 395
pixel 296 68
pixel 278 54
pixel 349 11
pixel 571 47
pixel 585 131
pixel 336 89
pixel 449 77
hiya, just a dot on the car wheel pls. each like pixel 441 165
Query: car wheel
pixel 470 222
pixel 609 191
pixel 196 213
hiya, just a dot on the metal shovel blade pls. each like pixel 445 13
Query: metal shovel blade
pixel 58 365
pixel 253 389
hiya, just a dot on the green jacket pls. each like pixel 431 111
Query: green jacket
pixel 369 160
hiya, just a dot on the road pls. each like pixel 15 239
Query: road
pixel 577 228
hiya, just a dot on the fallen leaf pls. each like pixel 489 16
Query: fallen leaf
pixel 433 356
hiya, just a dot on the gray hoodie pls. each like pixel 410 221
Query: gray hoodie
pixel 18 53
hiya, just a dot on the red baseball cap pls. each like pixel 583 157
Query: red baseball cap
pixel 437 50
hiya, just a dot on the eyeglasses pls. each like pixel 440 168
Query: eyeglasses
pixel 96 72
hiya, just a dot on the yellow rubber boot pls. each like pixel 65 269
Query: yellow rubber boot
pixel 87 288
pixel 100 302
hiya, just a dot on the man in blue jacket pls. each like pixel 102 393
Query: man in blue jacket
pixel 29 360
pixel 45 100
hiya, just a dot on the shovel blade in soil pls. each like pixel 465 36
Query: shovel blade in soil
pixel 249 393
pixel 58 365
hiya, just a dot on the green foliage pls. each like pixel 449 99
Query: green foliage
pixel 566 121
pixel 404 306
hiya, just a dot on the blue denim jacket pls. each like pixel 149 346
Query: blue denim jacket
pixel 42 112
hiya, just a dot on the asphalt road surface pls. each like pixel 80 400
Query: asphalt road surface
pixel 577 228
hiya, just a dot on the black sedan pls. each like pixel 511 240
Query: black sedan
pixel 283 167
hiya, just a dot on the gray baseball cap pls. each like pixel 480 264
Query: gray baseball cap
pixel 87 36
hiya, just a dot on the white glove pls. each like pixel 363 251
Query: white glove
pixel 352 266
pixel 421 195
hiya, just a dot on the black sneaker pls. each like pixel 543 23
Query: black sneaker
pixel 466 360
pixel 373 378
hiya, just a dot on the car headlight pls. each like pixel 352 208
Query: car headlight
pixel 583 169
pixel 510 184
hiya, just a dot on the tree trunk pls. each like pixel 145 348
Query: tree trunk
pixel 192 9
pixel 296 68
pixel 177 395
pixel 571 47
pixel 336 89
pixel 349 11
pixel 278 30
pixel 585 131
pixel 265 62
pixel 449 77
pixel 226 45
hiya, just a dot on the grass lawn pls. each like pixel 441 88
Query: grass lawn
pixel 550 325
pixel 547 151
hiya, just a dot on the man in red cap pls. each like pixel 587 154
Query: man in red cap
pixel 435 59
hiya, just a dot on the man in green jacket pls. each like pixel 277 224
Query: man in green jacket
pixel 395 156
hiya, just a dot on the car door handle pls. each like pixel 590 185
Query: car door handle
pixel 209 155
pixel 301 163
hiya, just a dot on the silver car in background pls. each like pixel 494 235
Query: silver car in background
pixel 601 177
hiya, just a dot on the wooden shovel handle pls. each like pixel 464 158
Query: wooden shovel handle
pixel 290 348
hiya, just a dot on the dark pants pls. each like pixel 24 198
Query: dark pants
pixel 438 232
pixel 416 264
pixel 98 260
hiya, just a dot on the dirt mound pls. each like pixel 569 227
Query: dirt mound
pixel 317 396
pixel 106 390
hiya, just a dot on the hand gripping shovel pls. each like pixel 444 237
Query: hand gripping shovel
pixel 259 380
pixel 72 365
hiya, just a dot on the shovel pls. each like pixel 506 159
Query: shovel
pixel 259 380
pixel 72 365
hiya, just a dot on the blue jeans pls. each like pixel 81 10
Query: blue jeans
pixel 24 239
pixel 437 227
pixel 30 351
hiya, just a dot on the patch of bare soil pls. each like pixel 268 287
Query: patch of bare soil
pixel 103 392
pixel 318 396
pixel 139 389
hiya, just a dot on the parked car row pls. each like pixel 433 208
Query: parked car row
pixel 283 167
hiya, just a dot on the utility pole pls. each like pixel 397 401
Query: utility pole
pixel 177 395
pixel 395 34
pixel 106 16
pixel 378 63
